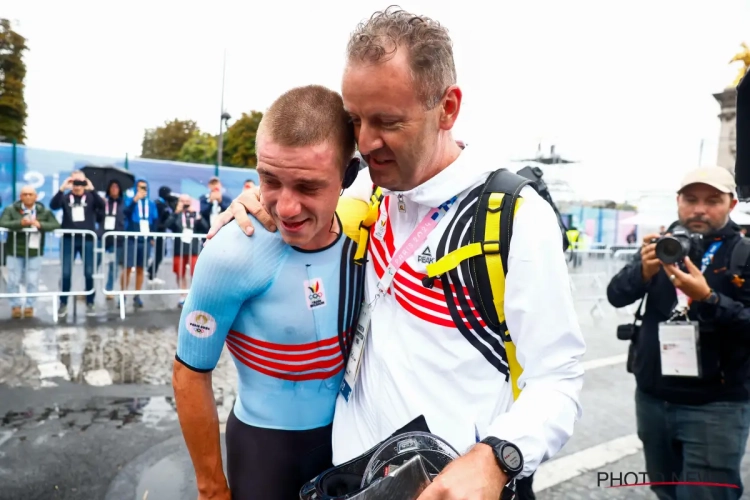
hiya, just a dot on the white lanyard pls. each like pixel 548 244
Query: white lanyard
pixel 113 208
pixel 141 210
pixel 31 212
pixel 82 202
pixel 412 243
pixel 184 221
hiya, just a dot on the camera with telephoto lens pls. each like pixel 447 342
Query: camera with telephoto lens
pixel 681 243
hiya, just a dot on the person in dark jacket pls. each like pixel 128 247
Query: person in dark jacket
pixel 165 206
pixel 215 202
pixel 81 208
pixel 693 403
pixel 141 216
pixel 29 221
pixel 112 218
pixel 186 222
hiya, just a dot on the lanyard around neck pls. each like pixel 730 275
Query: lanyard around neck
pixel 412 243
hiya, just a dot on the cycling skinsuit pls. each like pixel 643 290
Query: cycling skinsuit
pixel 285 315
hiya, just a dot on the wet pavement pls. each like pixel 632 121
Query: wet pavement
pixel 82 405
pixel 86 407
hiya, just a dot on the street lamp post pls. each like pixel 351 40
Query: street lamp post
pixel 224 122
pixel 224 117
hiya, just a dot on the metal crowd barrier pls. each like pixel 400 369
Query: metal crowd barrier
pixel 124 249
pixel 70 241
pixel 591 270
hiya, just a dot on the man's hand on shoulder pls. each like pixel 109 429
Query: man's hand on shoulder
pixel 248 201
pixel 474 476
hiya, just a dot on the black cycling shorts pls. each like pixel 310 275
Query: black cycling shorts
pixel 270 464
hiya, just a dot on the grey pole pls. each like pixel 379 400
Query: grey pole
pixel 221 118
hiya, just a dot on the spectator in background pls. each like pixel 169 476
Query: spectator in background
pixel 186 222
pixel 24 250
pixel 81 208
pixel 249 184
pixel 165 206
pixel 632 237
pixel 574 237
pixel 112 218
pixel 215 202
pixel 141 215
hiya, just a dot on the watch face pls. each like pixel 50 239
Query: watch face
pixel 511 457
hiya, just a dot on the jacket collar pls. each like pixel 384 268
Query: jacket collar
pixel 452 180
pixel 20 206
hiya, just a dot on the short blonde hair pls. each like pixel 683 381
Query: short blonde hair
pixel 308 116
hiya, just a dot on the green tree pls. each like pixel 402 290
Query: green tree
pixel 200 148
pixel 239 141
pixel 165 142
pixel 12 74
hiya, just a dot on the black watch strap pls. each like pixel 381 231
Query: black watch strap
pixel 507 455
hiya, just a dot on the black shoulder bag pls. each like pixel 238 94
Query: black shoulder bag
pixel 630 332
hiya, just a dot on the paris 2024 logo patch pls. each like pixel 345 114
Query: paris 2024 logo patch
pixel 314 293
pixel 200 324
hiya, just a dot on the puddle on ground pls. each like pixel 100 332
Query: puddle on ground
pixel 100 356
pixel 159 413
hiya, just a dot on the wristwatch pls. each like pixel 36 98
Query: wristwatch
pixel 713 298
pixel 508 456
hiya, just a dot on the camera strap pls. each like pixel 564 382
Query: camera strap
pixel 638 315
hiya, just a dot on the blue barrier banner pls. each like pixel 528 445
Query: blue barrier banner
pixel 47 170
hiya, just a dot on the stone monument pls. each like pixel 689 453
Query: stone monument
pixel 728 103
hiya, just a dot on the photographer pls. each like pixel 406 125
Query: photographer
pixel 81 208
pixel 186 222
pixel 691 353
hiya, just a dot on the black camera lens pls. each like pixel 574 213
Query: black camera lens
pixel 673 249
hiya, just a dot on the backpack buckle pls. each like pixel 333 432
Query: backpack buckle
pixel 490 247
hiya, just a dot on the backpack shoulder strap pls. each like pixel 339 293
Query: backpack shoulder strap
pixel 501 191
pixel 493 224
pixel 487 254
pixel 739 259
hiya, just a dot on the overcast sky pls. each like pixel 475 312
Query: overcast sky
pixel 625 87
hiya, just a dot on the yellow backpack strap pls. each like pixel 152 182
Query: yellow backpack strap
pixel 366 224
pixel 492 227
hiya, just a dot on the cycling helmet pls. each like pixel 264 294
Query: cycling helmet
pixel 400 467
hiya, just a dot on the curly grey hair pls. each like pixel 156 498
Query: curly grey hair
pixel 429 46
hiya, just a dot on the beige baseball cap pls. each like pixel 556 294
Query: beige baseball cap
pixel 716 177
